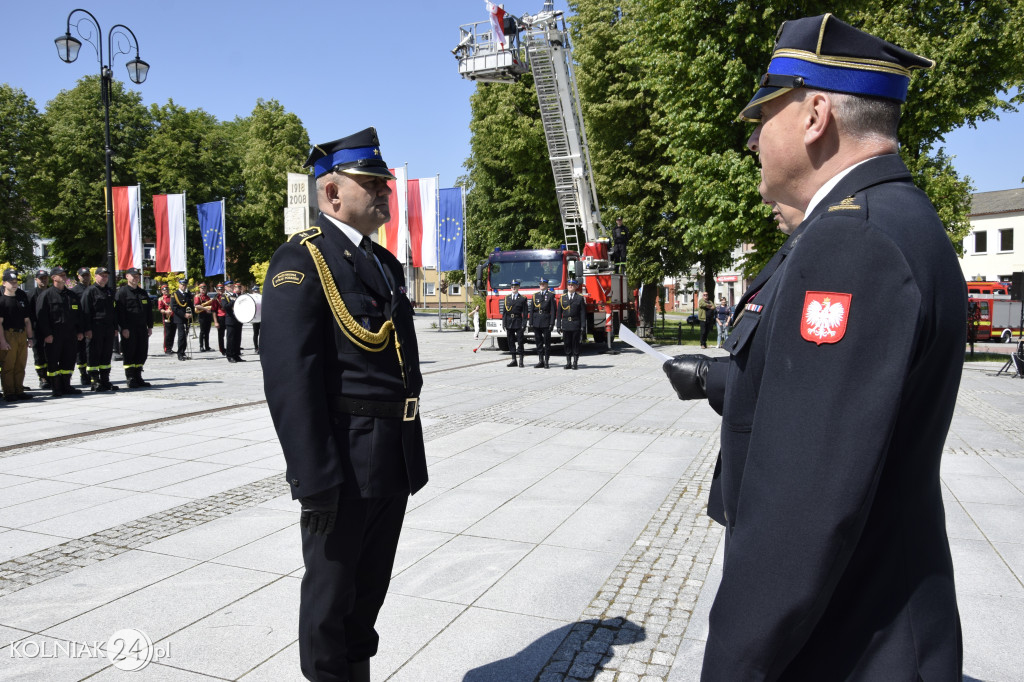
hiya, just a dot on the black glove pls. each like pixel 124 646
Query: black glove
pixel 319 511
pixel 688 375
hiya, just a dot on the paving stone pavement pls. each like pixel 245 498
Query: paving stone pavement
pixel 562 536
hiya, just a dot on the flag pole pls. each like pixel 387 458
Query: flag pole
pixel 465 263
pixel 437 246
pixel 403 222
pixel 224 236
pixel 184 230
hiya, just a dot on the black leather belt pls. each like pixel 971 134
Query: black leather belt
pixel 406 411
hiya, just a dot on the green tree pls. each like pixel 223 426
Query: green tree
pixel 271 142
pixel 21 140
pixel 510 191
pixel 70 206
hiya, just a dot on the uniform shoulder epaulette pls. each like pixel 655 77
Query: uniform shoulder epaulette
pixel 305 235
pixel 851 204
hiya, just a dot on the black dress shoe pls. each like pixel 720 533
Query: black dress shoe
pixel 513 363
pixel 240 359
pixel 232 360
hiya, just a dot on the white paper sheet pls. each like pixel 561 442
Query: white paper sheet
pixel 638 343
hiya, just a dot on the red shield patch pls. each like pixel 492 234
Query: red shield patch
pixel 825 316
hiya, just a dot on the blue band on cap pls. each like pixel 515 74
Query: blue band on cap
pixel 855 81
pixel 328 162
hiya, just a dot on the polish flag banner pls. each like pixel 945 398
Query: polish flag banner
pixel 396 229
pixel 497 15
pixel 169 218
pixel 127 227
pixel 422 197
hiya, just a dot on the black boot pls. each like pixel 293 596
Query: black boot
pixel 142 382
pixel 68 388
pixel 56 385
pixel 94 381
pixel 547 361
pixel 576 362
pixel 513 363
pixel 44 381
pixel 105 380
pixel 568 362
pixel 84 375
pixel 521 359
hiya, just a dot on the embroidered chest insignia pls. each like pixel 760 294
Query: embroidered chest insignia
pixel 846 204
pixel 825 316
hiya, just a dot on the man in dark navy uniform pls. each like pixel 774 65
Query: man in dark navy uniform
pixel 182 309
pixel 514 319
pixel 84 282
pixel 542 319
pixel 134 315
pixel 38 347
pixel 60 326
pixel 232 326
pixel 98 310
pixel 342 378
pixel 837 564
pixel 570 318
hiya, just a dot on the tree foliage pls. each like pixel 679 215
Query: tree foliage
pixel 21 135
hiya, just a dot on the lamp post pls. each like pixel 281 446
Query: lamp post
pixel 67 50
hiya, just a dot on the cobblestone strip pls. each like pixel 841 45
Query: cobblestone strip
pixel 30 569
pixel 635 624
pixel 1008 424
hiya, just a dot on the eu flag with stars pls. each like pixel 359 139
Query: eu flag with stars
pixel 449 229
pixel 211 226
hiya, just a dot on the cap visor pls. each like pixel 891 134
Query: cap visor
pixel 379 172
pixel 752 112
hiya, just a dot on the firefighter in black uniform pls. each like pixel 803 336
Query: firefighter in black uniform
pixel 620 240
pixel 183 307
pixel 84 281
pixel 514 319
pixel 233 328
pixel 542 319
pixel 60 327
pixel 204 305
pixel 570 318
pixel 342 378
pixel 135 322
pixel 837 562
pixel 98 309
pixel 38 347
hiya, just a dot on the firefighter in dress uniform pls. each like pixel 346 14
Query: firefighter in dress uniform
pixel 84 282
pixel 514 319
pixel 542 319
pixel 163 304
pixel 60 327
pixel 571 322
pixel 233 328
pixel 98 309
pixel 135 322
pixel 342 378
pixel 204 310
pixel 182 309
pixel 837 562
pixel 38 347
pixel 219 315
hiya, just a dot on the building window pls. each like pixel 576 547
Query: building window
pixel 428 288
pixel 980 242
pixel 455 290
pixel 1006 240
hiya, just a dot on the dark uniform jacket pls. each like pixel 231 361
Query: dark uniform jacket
pixel 227 304
pixel 514 316
pixel 833 421
pixel 542 310
pixel 133 309
pixel 570 314
pixel 98 306
pixel 309 361
pixel 58 312
pixel 181 302
pixel 33 302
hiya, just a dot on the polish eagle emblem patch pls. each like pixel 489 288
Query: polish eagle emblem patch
pixel 825 316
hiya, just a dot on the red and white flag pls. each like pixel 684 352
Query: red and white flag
pixel 127 227
pixel 169 217
pixel 423 222
pixel 497 15
pixel 395 235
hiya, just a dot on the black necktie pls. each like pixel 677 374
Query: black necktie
pixel 366 246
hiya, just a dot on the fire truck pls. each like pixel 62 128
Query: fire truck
pixel 998 318
pixel 500 50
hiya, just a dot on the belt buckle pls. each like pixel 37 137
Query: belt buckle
pixel 412 407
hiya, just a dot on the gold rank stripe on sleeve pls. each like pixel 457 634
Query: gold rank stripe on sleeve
pixel 288 277
pixel 846 204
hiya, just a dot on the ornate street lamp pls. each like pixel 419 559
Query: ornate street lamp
pixel 67 49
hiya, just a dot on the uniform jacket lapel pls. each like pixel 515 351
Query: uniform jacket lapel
pixel 342 253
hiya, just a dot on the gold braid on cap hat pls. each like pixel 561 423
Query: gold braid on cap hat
pixel 373 342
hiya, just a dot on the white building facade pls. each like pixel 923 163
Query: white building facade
pixel 994 251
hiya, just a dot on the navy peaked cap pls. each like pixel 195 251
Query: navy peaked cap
pixel 357 154
pixel 825 53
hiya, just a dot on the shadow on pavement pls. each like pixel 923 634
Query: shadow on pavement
pixel 526 665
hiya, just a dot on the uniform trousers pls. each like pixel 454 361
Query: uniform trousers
pixel 572 343
pixel 60 353
pixel 39 356
pixel 83 355
pixel 543 341
pixel 346 580
pixel 135 348
pixel 221 328
pixel 517 339
pixel 233 340
pixel 205 320
pixel 182 328
pixel 256 336
pixel 100 347
pixel 169 329
pixel 12 362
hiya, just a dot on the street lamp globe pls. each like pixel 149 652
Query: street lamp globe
pixel 137 70
pixel 67 47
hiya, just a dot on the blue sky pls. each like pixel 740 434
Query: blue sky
pixel 340 66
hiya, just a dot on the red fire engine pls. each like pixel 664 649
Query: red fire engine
pixel 997 317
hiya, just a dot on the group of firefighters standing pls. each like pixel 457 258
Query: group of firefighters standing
pixel 541 313
pixel 83 324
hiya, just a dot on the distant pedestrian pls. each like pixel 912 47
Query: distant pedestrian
pixel 706 317
pixel 15 338
pixel 723 317
pixel 475 314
